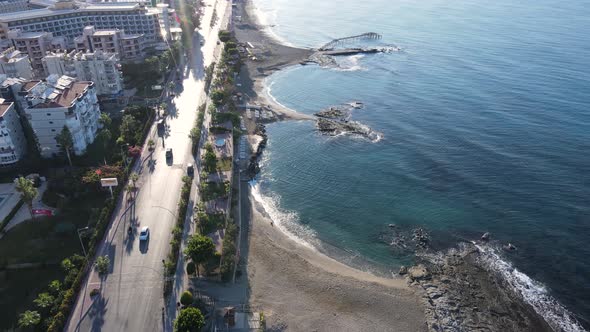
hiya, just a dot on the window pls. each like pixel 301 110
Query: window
pixel 53 130
pixel 50 122
pixel 48 114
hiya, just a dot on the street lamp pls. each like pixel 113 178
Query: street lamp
pixel 82 243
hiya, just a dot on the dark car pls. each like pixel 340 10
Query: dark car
pixel 190 170
pixel 169 153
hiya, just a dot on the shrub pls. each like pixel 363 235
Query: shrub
pixel 189 320
pixel 102 264
pixel 186 298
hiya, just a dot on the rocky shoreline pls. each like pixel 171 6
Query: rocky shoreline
pixel 459 294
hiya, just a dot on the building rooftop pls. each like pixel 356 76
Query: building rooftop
pixel 105 32
pixel 44 12
pixel 69 95
pixel 29 85
pixel 12 55
pixel 6 81
pixel 4 107
pixel 31 35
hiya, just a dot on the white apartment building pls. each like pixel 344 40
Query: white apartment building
pixel 126 47
pixel 67 18
pixel 9 6
pixel 98 67
pixel 13 144
pixel 14 63
pixel 35 45
pixel 57 102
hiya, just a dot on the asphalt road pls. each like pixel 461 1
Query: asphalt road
pixel 131 294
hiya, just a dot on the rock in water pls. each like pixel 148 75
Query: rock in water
pixel 485 237
pixel 418 272
pixel 403 270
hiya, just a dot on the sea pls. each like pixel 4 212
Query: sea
pixel 482 115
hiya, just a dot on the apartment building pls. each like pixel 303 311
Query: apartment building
pixel 57 102
pixel 9 6
pixel 99 67
pixel 126 47
pixel 14 63
pixel 35 45
pixel 68 20
pixel 13 144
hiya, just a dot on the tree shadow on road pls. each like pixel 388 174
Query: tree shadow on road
pixel 97 313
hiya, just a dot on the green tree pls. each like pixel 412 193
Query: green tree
pixel 102 264
pixel 65 140
pixel 224 35
pixel 27 191
pixel 44 301
pixel 186 298
pixel 55 287
pixel 134 177
pixel 105 120
pixel 29 318
pixel 209 159
pixel 67 265
pixel 129 127
pixel 199 249
pixel 190 320
pixel 217 97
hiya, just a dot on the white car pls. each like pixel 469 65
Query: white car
pixel 144 235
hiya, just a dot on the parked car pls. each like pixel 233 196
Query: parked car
pixel 169 153
pixel 190 170
pixel 144 235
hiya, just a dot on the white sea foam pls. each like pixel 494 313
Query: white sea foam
pixel 533 292
pixel 286 221
pixel 350 63
pixel 267 18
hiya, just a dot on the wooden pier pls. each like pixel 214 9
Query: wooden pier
pixel 345 40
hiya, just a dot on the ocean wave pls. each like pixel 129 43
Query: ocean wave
pixel 287 222
pixel 532 292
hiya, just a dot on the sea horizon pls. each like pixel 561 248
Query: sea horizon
pixel 445 131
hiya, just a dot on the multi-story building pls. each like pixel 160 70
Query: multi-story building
pixel 98 67
pixel 66 19
pixel 57 102
pixel 13 144
pixel 14 63
pixel 127 47
pixel 9 6
pixel 35 45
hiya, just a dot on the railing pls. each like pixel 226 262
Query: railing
pixel 340 41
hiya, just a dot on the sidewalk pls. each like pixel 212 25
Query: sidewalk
pixel 182 281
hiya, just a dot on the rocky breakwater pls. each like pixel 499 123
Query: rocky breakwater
pixel 335 121
pixel 461 295
pixel 253 165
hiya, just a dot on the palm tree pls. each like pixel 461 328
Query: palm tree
pixel 64 138
pixel 134 178
pixel 27 191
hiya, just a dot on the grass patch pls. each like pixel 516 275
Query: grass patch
pixel 224 164
pixel 214 190
pixel 18 290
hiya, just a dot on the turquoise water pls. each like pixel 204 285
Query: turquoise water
pixel 485 125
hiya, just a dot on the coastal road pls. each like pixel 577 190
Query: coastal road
pixel 131 294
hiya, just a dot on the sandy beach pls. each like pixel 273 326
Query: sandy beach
pixel 271 56
pixel 300 289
